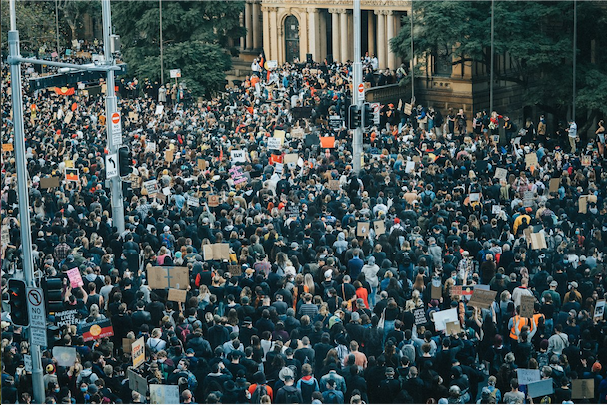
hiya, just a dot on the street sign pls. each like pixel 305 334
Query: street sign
pixel 116 128
pixel 376 109
pixel 38 337
pixel 35 306
pixel 361 92
pixel 111 165
pixel 27 362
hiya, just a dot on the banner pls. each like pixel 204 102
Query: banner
pixel 66 318
pixel 96 330
pixel 64 91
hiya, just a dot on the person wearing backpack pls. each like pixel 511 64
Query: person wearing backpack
pixel 260 388
pixel 427 196
pixel 332 395
pixel 289 394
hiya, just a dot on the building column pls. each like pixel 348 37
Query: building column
pixel 371 33
pixel 303 35
pixel 335 33
pixel 390 24
pixel 381 38
pixel 343 33
pixel 243 38
pixel 313 33
pixel 266 31
pixel 322 37
pixel 249 24
pixel 273 34
pixel 256 30
pixel 350 35
pixel 398 25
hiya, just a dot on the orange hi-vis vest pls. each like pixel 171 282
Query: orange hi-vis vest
pixel 516 319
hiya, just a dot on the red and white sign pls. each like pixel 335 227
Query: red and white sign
pixel 361 92
pixel 116 128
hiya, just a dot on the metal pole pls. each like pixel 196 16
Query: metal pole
pixel 22 191
pixel 357 76
pixel 111 107
pixel 57 25
pixel 161 47
pixel 412 60
pixel 574 57
pixel 492 55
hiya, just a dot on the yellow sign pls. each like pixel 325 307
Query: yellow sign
pixel 138 351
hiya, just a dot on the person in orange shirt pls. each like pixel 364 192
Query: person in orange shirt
pixel 260 380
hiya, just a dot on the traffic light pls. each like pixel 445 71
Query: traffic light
pixel 53 290
pixel 18 302
pixel 354 117
pixel 125 161
pixel 127 190
pixel 368 115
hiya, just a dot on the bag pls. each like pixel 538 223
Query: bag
pixel 259 392
pixel 167 241
pixel 332 398
pixel 184 332
pixel 382 320
pixel 426 199
pixel 291 397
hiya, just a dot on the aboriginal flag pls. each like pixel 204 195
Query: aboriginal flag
pixel 64 91
pixel 275 159
pixel 71 174
pixel 96 330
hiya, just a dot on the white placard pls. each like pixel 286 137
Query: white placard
pixel 27 362
pixel 175 73
pixel 275 143
pixel 151 186
pixel 496 209
pixel 441 318
pixel 599 309
pixel 159 109
pixel 164 394
pixel 193 201
pixel 527 375
pixel 238 156
pixel 410 168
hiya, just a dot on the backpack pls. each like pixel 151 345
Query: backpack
pixel 184 331
pixel 167 241
pixel 426 199
pixel 291 397
pixel 259 392
pixel 86 379
pixel 332 398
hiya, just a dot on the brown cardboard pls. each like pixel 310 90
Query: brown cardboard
pixel 202 164
pixel 379 227
pixel 334 185
pixel 168 155
pixel 362 229
pixel 235 269
pixel 168 277
pixel 177 295
pixel 538 241
pixel 527 304
pixel 436 293
pixel 216 251
pixel 126 344
pixel 530 160
pixel 49 182
pixel 453 328
pixel 582 389
pixel 482 298
pixel 554 185
pixel 213 200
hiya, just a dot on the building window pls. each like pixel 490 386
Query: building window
pixel 442 62
pixel 291 38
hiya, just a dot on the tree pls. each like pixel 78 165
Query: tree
pixel 72 12
pixel 35 23
pixel 198 38
pixel 536 35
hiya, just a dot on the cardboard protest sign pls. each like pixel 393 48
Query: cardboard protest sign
pixel 538 241
pixel 462 291
pixel 527 304
pixel 540 388
pixel 168 277
pixel 408 108
pixel 586 160
pixel 482 298
pixel 137 383
pixel 290 158
pixel 334 185
pixel 127 345
pixel 7 147
pixel 530 160
pixel 150 147
pixel 202 164
pixel 65 356
pixel 410 167
pixel 168 155
pixel 235 269
pixel 238 156
pixel 582 389
pixel 133 116
pixel 599 310
pixel 49 182
pixel 193 201
pixel 280 134
pixel 177 295
pixel 528 197
pixel 216 251
pixel 164 394
pixel 96 330
pixel 554 185
pixel 362 229
pixel 151 186
pixel 501 173
pixel 327 142
pixel 297 133
pixel 275 143
pixel 213 200
pixel 138 352
pixel 526 375
pixel 420 316
pixel 292 210
pixel 75 278
pixel 159 109
pixel 440 318
pixel 453 328
pixel 379 227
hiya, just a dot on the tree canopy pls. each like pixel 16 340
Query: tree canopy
pixel 198 38
pixel 536 35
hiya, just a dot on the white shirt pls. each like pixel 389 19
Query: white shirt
pixel 573 130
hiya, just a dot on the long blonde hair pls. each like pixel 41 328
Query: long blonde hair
pixel 309 282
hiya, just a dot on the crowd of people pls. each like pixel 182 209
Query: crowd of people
pixel 334 279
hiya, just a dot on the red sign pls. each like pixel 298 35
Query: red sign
pixel 115 118
pixel 361 88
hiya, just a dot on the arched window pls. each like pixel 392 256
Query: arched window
pixel 291 38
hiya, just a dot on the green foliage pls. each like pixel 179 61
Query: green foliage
pixel 35 23
pixel 196 39
pixel 537 36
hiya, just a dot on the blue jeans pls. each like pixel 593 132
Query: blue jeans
pixel 388 327
pixel 372 297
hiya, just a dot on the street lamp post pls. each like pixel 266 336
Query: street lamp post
pixel 161 49
pixel 574 57
pixel 357 76
pixel 492 56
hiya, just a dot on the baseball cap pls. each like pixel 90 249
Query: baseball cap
pixel 553 283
